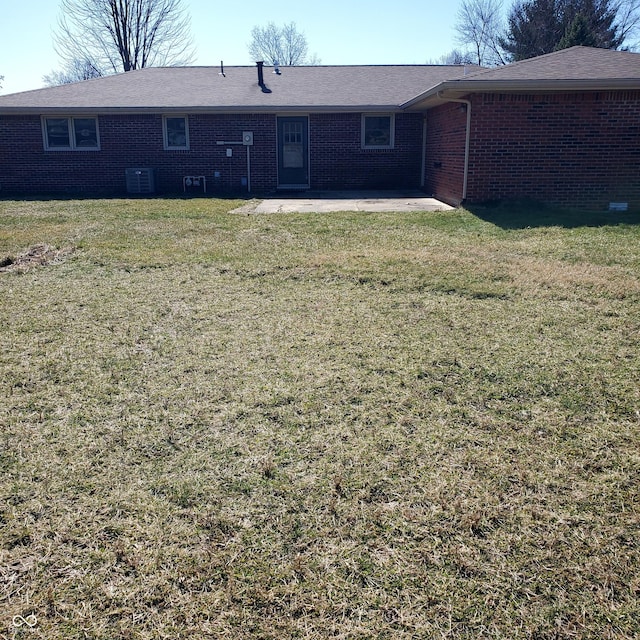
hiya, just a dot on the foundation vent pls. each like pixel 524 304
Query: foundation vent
pixel 140 180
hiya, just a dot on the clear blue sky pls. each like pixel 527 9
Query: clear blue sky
pixel 337 31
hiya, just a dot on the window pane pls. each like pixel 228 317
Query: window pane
pixel 292 155
pixel 377 131
pixel 86 132
pixel 292 145
pixel 58 132
pixel 176 132
pixel 292 132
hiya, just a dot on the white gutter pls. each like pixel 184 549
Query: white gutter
pixel 462 87
pixel 424 150
pixel 155 109
pixel 466 141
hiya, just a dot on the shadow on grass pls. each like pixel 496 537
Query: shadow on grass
pixel 527 214
pixel 224 195
pixel 13 197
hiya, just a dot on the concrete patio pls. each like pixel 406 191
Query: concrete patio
pixel 328 201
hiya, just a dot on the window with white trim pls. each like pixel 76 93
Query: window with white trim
pixel 176 132
pixel 70 133
pixel 378 131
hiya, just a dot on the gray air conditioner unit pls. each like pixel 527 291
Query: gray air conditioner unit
pixel 140 180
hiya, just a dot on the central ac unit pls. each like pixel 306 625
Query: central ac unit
pixel 140 180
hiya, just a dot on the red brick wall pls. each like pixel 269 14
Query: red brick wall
pixel 339 162
pixel 572 150
pixel 128 141
pixel 444 163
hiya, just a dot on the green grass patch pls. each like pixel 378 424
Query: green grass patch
pixel 417 425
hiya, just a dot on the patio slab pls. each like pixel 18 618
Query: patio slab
pixel 330 201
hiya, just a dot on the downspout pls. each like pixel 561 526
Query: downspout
pixel 248 169
pixel 424 151
pixel 466 142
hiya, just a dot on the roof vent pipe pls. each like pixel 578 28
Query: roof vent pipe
pixel 261 83
pixel 260 64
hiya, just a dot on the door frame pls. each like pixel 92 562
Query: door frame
pixel 306 151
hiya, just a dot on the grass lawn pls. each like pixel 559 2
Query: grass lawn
pixel 420 425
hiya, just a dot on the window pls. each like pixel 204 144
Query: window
pixel 176 132
pixel 71 134
pixel 292 145
pixel 377 131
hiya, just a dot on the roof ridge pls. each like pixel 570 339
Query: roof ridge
pixel 536 60
pixel 305 66
pixel 517 63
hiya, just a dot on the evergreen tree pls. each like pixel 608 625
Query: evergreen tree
pixel 536 27
pixel 533 29
pixel 578 33
pixel 592 20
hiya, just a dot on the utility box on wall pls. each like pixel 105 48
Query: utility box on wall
pixel 247 138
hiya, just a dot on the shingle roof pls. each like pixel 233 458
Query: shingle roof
pixel 205 89
pixel 576 68
pixel 575 63
pixel 327 88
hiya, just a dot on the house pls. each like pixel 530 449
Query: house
pixel 561 128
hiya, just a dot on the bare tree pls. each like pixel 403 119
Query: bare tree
pixel 121 35
pixel 282 45
pixel 455 56
pixel 479 27
pixel 1 79
pixel 75 71
pixel 628 21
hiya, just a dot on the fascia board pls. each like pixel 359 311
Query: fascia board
pixel 42 110
pixel 456 89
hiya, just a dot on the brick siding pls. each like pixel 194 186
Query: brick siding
pixel 575 150
pixel 578 149
pixel 446 133
pixel 339 162
pixel 128 141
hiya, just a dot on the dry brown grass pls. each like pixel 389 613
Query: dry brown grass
pixel 340 426
pixel 37 256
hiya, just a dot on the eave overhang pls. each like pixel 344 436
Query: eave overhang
pixel 194 109
pixel 456 89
